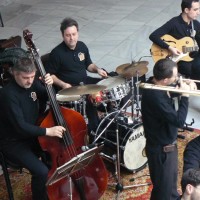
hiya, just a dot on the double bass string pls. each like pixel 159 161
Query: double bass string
pixel 56 110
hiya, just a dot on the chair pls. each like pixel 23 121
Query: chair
pixel 5 165
pixel 45 59
pixel 14 41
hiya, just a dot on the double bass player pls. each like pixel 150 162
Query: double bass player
pixel 19 113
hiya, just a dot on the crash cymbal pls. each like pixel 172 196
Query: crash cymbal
pixel 112 82
pixel 132 70
pixel 82 89
pixel 66 98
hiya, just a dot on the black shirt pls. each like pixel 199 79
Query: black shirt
pixel 160 119
pixel 20 111
pixel 69 65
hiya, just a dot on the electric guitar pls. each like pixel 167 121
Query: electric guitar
pixel 185 45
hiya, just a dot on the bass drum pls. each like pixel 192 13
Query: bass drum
pixel 131 141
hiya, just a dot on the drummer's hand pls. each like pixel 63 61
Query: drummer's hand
pixel 101 72
pixel 56 131
pixel 66 85
pixel 48 79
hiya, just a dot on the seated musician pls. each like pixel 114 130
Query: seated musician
pixel 18 130
pixel 69 63
pixel 179 27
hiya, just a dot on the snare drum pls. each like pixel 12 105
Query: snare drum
pixel 117 93
pixel 116 88
pixel 131 141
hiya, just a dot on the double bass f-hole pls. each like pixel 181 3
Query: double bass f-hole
pixel 88 183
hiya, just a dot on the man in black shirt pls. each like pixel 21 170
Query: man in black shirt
pixel 19 105
pixel 160 121
pixel 184 25
pixel 69 63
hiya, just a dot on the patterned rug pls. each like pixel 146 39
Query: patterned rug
pixel 139 182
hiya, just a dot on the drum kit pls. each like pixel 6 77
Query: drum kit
pixel 122 133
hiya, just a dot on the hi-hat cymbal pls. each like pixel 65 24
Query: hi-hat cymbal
pixel 82 89
pixel 112 82
pixel 65 98
pixel 133 70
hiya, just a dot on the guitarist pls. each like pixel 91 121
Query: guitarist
pixel 179 27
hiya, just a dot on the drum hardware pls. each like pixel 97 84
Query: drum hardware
pixel 130 71
pixel 116 115
pixel 84 109
pixel 137 99
pixel 186 127
pixel 116 159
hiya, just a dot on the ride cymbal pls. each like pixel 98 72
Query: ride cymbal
pixel 82 89
pixel 133 70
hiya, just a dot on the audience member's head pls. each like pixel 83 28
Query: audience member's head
pixel 190 184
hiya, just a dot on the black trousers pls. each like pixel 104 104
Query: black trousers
pixel 26 154
pixel 163 169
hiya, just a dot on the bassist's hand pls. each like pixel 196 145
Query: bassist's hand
pixel 55 131
pixel 48 79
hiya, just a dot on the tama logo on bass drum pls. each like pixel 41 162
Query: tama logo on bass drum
pixel 136 136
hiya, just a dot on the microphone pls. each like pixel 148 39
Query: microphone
pixel 90 146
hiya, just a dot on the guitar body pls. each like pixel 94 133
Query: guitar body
pixel 185 45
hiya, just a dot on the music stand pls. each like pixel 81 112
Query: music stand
pixel 76 163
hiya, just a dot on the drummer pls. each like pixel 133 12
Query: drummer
pixel 69 62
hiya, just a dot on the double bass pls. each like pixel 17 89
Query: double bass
pixel 88 183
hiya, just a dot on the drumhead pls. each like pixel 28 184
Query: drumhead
pixel 134 150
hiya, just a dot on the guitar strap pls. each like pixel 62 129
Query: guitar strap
pixel 193 32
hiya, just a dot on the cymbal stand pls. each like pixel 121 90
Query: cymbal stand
pixel 132 104
pixel 137 95
pixel 137 108
pixel 84 109
pixel 118 185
